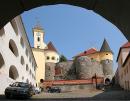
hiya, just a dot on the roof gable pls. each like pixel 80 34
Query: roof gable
pixel 51 47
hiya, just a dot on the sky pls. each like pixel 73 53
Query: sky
pixel 73 30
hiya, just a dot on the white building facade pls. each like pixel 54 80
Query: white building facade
pixel 17 62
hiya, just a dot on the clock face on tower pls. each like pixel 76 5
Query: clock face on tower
pixel 38 34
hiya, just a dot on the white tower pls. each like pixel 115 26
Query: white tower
pixel 38 34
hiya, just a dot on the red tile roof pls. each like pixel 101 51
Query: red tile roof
pixel 126 45
pixel 51 47
pixel 87 52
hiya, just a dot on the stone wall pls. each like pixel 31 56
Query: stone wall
pixel 67 70
pixel 50 71
pixel 65 88
pixel 86 68
pixel 107 68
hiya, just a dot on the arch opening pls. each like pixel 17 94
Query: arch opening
pixel 2 32
pixel 2 62
pixel 107 81
pixel 21 42
pixel 13 47
pixel 14 25
pixel 13 73
pixel 22 60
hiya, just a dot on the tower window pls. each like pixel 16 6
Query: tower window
pixel 38 39
pixel 38 46
pixel 48 58
pixel 53 58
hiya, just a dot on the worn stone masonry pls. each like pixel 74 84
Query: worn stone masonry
pixel 81 68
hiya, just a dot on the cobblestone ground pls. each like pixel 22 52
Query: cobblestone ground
pixel 87 94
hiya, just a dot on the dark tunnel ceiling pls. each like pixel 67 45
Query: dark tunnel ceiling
pixel 115 11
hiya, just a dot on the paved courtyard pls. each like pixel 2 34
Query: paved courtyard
pixel 87 94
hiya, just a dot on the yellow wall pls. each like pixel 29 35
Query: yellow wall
pixel 99 56
pixel 106 55
pixel 52 54
pixel 40 60
pixel 94 56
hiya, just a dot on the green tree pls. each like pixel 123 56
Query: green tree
pixel 63 58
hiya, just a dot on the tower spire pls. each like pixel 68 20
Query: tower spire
pixel 105 47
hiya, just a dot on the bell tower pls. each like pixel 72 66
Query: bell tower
pixel 38 34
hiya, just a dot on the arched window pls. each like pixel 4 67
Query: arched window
pixel 13 73
pixel 27 67
pixel 26 52
pixel 14 25
pixel 13 47
pixel 53 58
pixel 22 60
pixel 2 32
pixel 30 72
pixel 21 42
pixel 30 59
pixel 1 61
pixel 38 39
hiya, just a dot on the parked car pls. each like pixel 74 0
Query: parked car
pixel 19 89
pixel 53 90
pixel 36 90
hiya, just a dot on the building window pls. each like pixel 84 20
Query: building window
pixel 30 72
pixel 13 73
pixel 2 32
pixel 21 42
pixel 38 46
pixel 22 77
pixel 14 25
pixel 48 58
pixel 53 58
pixel 13 47
pixel 30 59
pixel 38 39
pixel 27 67
pixel 106 54
pixel 1 61
pixel 26 52
pixel 22 60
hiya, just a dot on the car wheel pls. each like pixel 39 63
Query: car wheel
pixel 7 96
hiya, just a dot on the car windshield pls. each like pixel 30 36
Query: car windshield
pixel 20 84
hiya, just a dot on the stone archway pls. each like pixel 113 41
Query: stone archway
pixel 107 81
pixel 13 73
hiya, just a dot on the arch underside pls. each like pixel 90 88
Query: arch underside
pixel 115 11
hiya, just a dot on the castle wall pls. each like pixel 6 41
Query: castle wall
pixel 107 68
pixel 50 71
pixel 12 67
pixel 87 68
